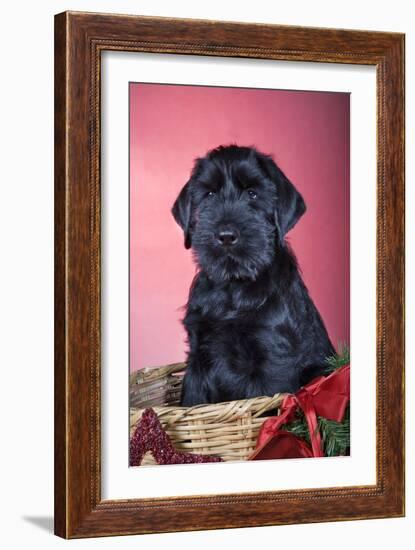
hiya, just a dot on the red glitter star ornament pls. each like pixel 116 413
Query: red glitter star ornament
pixel 150 436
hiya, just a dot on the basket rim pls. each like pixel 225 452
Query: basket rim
pixel 226 411
pixel 153 373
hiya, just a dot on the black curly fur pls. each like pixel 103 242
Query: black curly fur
pixel 252 326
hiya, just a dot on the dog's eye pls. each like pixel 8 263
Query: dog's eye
pixel 252 194
pixel 210 194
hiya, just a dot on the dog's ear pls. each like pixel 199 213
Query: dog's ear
pixel 290 205
pixel 182 213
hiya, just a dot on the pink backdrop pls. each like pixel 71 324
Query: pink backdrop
pixel 308 135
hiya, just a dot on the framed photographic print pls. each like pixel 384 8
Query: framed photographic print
pixel 229 275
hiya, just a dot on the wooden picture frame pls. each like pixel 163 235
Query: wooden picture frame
pixel 79 40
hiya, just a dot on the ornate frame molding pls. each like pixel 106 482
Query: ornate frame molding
pixel 79 40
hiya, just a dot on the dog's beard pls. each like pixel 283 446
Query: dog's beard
pixel 244 261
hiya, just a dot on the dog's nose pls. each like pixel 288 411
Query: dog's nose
pixel 227 237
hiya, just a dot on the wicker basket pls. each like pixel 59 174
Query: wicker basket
pixel 228 430
pixel 156 386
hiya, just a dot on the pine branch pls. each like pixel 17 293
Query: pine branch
pixel 338 360
pixel 335 435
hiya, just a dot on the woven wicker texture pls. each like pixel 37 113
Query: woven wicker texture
pixel 228 430
pixel 156 386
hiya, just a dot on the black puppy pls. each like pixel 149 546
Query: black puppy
pixel 252 327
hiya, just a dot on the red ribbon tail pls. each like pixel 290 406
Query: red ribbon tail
pixel 306 403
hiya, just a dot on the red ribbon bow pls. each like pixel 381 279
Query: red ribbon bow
pixel 323 396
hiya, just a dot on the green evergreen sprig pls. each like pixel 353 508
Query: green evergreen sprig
pixel 341 358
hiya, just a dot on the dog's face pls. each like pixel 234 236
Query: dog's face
pixel 235 211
